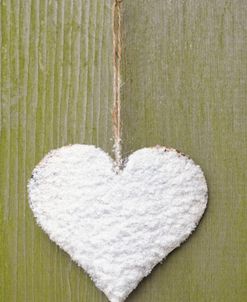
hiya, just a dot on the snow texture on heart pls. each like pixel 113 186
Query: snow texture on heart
pixel 117 227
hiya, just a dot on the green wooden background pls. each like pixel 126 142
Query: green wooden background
pixel 184 76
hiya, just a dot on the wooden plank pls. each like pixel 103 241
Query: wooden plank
pixel 56 89
pixel 183 85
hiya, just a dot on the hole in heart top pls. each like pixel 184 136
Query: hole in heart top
pixel 117 227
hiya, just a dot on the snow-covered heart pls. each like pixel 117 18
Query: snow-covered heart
pixel 117 227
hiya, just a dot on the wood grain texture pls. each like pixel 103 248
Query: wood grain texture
pixel 56 89
pixel 183 85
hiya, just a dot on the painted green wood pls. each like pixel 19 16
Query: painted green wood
pixel 56 89
pixel 183 85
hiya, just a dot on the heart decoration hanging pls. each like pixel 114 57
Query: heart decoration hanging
pixel 117 227
pixel 117 221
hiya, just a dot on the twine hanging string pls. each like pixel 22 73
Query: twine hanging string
pixel 116 112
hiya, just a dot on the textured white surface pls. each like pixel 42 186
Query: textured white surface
pixel 117 227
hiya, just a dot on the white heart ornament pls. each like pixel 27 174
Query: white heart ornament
pixel 117 227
